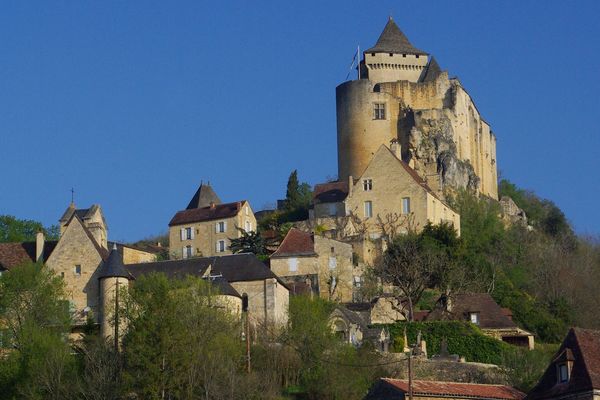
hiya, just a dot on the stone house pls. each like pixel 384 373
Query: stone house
pixel 324 265
pixel 388 389
pixel 481 310
pixel 206 227
pixel 387 199
pixel 574 372
pixel 261 292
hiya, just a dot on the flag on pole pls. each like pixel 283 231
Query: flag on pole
pixel 355 61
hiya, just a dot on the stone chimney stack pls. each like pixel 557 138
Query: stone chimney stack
pixel 396 148
pixel 39 246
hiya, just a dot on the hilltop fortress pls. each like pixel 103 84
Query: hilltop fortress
pixel 403 97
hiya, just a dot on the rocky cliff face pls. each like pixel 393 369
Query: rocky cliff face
pixel 432 149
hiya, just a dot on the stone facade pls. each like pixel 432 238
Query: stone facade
pixel 212 236
pixel 387 199
pixel 406 97
pixel 330 260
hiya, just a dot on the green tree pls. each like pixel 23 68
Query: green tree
pixel 248 242
pixel 297 199
pixel 22 230
pixel 36 321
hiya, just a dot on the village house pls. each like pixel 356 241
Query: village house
pixel 206 227
pixel 481 310
pixel 324 266
pixel 574 372
pixel 392 389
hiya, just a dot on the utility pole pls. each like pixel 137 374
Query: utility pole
pixel 248 341
pixel 117 315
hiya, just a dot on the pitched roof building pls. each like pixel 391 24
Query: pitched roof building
pixel 574 372
pixel 388 388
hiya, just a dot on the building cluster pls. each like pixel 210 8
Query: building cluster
pixel 408 137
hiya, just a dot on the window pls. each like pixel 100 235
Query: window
pixel 474 318
pixel 244 302
pixel 331 209
pixel 367 185
pixel 563 373
pixel 332 250
pixel 357 281
pixel 368 209
pixel 220 246
pixel 186 252
pixel 406 205
pixel 248 226
pixel 332 262
pixel 62 274
pixel 77 270
pixel 372 54
pixel 246 210
pixel 379 111
pixel 221 226
pixel 188 233
pixel 293 264
pixel 391 54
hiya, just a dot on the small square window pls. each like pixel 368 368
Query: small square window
pixel 391 54
pixel 367 185
pixel 372 54
pixel 406 205
pixel 77 270
pixel 474 317
pixel 379 111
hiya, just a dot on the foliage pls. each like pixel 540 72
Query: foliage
pixel 523 367
pixel 248 242
pixel 297 200
pixel 463 338
pixel 36 319
pixel 22 230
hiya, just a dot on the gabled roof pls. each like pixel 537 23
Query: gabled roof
pixel 233 268
pixel 82 213
pixel 392 40
pixel 113 267
pixel 583 347
pixel 204 196
pixel 296 243
pixel 14 254
pixel 218 211
pixel 491 315
pixel 331 192
pixel 433 71
pixel 454 389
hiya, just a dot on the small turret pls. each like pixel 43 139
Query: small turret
pixel 113 278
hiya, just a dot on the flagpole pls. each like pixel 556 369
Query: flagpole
pixel 358 60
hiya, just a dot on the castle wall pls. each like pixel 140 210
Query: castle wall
pixel 390 67
pixel 268 301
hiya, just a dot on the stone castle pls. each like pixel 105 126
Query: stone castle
pixel 402 96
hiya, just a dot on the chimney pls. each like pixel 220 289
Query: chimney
pixel 396 148
pixel 350 185
pixel 39 246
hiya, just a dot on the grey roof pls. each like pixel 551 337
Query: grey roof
pixel 82 213
pixel 392 40
pixel 233 268
pixel 433 71
pixel 203 197
pixel 113 267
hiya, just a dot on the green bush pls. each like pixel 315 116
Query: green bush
pixel 463 338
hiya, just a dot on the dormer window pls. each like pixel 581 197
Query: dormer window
pixel 563 373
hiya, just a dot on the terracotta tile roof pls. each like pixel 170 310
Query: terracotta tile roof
pixel 218 211
pixel 331 192
pixel 583 347
pixel 296 243
pixel 457 390
pixel 13 254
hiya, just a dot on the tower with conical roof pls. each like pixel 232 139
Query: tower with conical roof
pixel 114 278
pixel 394 58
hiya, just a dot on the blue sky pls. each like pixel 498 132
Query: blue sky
pixel 134 103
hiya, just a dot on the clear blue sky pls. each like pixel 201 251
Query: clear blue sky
pixel 133 103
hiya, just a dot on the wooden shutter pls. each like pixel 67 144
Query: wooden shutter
pixel 192 229
pixel 182 232
pixel 184 253
pixel 217 227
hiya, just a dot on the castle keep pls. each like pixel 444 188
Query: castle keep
pixel 402 96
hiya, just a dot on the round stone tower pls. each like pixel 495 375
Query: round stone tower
pixel 367 117
pixel 113 279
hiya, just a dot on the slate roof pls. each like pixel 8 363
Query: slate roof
pixel 454 389
pixel 583 347
pixel 433 71
pixel 113 266
pixel 296 243
pixel 331 192
pixel 14 254
pixel 203 197
pixel 218 211
pixel 392 40
pixel 234 268
pixel 82 213
pixel 491 315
